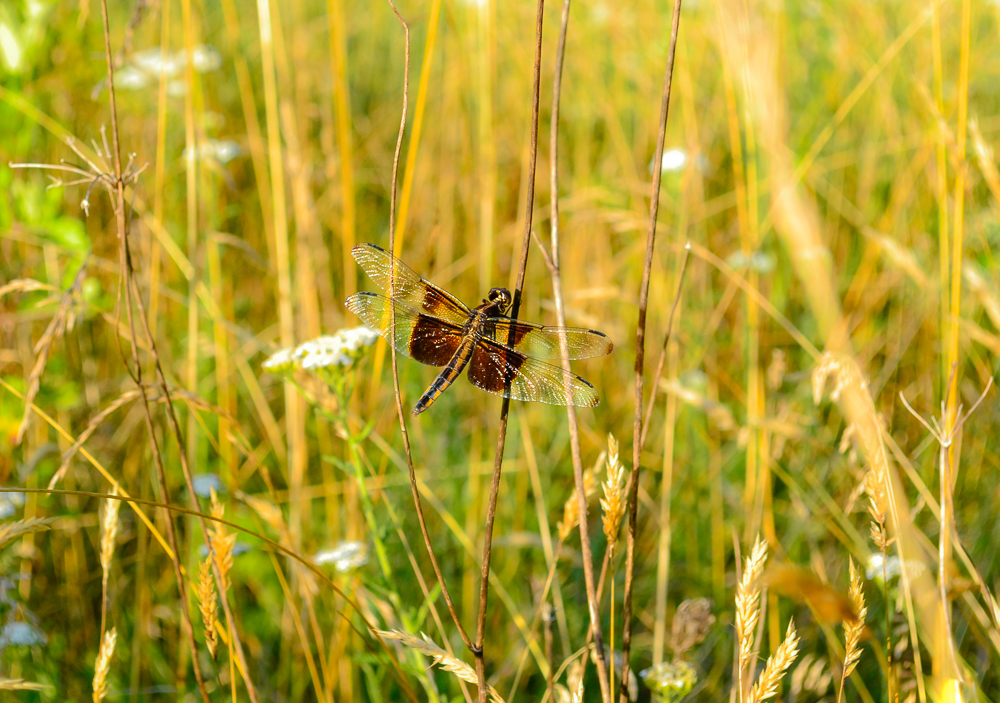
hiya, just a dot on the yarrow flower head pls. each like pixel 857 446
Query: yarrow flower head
pixel 345 556
pixel 324 355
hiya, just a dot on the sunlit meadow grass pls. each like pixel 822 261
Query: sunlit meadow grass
pixel 832 167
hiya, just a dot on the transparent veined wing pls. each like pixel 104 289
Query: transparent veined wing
pixel 501 370
pixel 543 340
pixel 386 270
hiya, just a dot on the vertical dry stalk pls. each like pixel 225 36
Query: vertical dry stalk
pixel 853 629
pixel 109 530
pixel 129 288
pixel 103 664
pixel 395 369
pixel 633 496
pixel 553 261
pixel 748 612
pixel 484 583
pixel 777 664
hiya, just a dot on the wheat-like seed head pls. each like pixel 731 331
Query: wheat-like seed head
pixel 747 600
pixel 574 680
pixel 207 604
pixel 571 508
pixel 440 657
pixel 9 531
pixel 222 542
pixel 613 502
pixel 109 530
pixel 854 628
pixel 877 499
pixel 103 664
pixel 767 685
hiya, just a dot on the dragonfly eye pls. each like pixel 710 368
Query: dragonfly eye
pixel 500 296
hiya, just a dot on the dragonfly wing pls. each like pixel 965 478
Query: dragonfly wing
pixel 402 283
pixel 417 335
pixel 543 341
pixel 504 371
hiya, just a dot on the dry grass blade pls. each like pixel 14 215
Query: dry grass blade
pixel 571 509
pixel 12 530
pixel 442 659
pixel 23 285
pixel 61 323
pixel 21 685
pixel 767 686
pixel 103 664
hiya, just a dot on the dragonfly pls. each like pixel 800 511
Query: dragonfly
pixel 502 354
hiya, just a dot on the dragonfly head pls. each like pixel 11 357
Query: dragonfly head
pixel 501 298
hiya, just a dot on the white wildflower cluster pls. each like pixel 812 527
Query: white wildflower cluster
pixel 222 151
pixel 893 567
pixel 324 353
pixel 145 68
pixel 345 556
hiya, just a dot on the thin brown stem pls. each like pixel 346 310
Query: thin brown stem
pixel 121 223
pixel 549 617
pixel 484 584
pixel 395 371
pixel 663 349
pixel 574 432
pixel 633 495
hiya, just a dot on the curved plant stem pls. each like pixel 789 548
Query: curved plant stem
pixel 484 585
pixel 633 494
pixel 395 371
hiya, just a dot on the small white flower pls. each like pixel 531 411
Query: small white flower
pixel 279 360
pixel 205 58
pixel 156 63
pixel 893 568
pixel 130 78
pixel 673 160
pixel 221 151
pixel 345 556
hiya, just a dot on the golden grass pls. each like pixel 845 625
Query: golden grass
pixel 842 199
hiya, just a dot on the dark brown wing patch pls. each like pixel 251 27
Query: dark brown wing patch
pixel 432 342
pixel 419 336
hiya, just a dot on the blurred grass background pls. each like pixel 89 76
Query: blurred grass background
pixel 834 159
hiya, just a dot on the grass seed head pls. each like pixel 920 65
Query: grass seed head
pixel 103 664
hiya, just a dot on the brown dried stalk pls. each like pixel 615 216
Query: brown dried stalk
pixel 484 583
pixel 640 350
pixel 392 350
